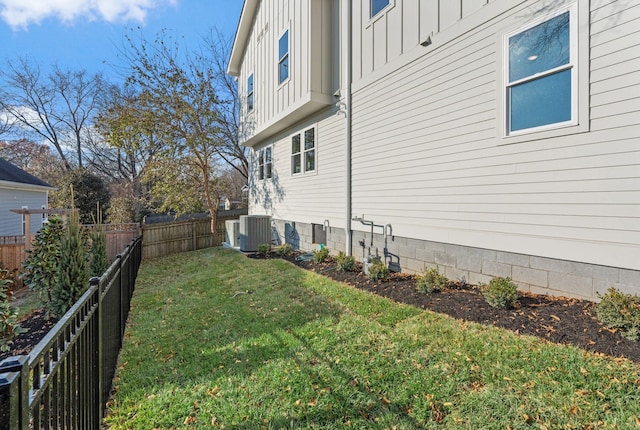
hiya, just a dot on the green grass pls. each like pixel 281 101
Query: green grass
pixel 304 352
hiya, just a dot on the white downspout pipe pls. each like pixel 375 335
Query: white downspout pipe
pixel 348 73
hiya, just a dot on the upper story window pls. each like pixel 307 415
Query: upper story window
pixel 541 76
pixel 283 57
pixel 303 154
pixel 265 163
pixel 250 93
pixel 377 6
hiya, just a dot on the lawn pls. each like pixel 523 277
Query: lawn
pixel 217 340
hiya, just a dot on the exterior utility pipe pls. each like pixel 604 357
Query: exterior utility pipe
pixel 349 73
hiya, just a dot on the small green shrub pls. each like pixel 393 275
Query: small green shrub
pixel 344 262
pixel 320 255
pixel 431 281
pixel 378 271
pixel 73 275
pixel 501 293
pixel 283 250
pixel 9 326
pixel 264 249
pixel 620 311
pixel 99 261
pixel 42 265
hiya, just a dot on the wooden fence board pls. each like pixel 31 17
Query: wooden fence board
pixel 160 239
pixel 118 236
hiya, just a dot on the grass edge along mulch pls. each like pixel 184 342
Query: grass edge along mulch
pixel 217 340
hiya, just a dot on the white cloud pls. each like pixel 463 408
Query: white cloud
pixel 22 13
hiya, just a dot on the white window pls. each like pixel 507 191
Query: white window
pixel 24 220
pixel 265 163
pixel 541 74
pixel 377 6
pixel 45 217
pixel 296 154
pixel 283 57
pixel 250 93
pixel 303 154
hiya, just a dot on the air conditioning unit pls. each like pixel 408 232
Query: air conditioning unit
pixel 232 232
pixel 254 230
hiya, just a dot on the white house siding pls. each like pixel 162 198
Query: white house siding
pixel 310 198
pixel 384 38
pixel 429 159
pixel 11 198
pixel 312 70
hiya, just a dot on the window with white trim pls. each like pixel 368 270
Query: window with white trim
pixel 303 152
pixel 377 6
pixel 250 93
pixel 541 74
pixel 283 57
pixel 24 220
pixel 265 163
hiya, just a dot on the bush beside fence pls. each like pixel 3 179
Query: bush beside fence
pixel 66 380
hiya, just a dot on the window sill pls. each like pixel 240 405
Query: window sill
pixel 543 133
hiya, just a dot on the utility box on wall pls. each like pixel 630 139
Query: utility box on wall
pixel 254 230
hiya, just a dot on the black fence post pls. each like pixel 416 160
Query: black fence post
pixel 98 386
pixel 14 393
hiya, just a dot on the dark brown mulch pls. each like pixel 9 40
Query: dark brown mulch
pixel 556 319
pixel 37 326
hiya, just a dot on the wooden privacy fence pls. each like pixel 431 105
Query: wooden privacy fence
pixel 66 380
pixel 117 235
pixel 12 248
pixel 169 238
pixel 12 252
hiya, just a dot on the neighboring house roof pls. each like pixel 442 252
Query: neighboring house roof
pixel 11 173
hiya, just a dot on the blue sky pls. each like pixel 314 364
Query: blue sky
pixel 86 34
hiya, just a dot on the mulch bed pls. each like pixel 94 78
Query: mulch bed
pixel 37 325
pixel 556 319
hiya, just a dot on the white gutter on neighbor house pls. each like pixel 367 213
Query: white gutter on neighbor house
pixel 348 196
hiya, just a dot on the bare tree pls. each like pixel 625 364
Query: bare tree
pixel 218 51
pixel 124 144
pixel 34 158
pixel 57 108
pixel 182 106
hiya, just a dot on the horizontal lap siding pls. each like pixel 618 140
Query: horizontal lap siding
pixel 428 159
pixel 10 222
pixel 311 197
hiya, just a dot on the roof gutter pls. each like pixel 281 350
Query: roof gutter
pixel 249 10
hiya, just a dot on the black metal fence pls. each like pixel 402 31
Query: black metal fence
pixel 65 381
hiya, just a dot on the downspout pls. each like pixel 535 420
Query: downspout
pixel 348 129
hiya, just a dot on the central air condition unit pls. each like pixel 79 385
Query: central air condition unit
pixel 254 230
pixel 232 232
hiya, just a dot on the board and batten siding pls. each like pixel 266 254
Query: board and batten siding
pixel 383 39
pixel 313 72
pixel 429 160
pixel 310 197
pixel 10 198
